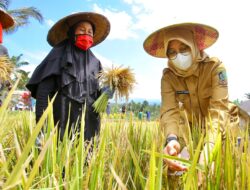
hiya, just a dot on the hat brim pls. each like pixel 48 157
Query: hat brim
pixel 204 35
pixel 58 32
pixel 6 20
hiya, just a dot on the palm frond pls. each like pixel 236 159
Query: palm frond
pixel 26 12
pixel 22 63
pixel 16 60
pixel 21 17
pixel 4 4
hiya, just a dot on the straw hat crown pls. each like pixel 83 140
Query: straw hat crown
pixel 59 31
pixel 204 36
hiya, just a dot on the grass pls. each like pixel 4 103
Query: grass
pixel 126 155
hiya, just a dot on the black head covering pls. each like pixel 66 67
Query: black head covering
pixel 65 59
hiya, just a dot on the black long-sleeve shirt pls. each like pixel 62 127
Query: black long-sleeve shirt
pixel 72 73
pixel 45 90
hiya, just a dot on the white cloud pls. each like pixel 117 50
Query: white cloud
pixel 136 9
pixel 106 62
pixel 29 68
pixel 121 23
pixel 146 87
pixel 50 22
pixel 148 77
pixel 33 58
pixel 128 1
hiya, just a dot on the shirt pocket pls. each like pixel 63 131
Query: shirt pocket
pixel 183 100
pixel 181 97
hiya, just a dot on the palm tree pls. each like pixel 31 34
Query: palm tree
pixel 21 16
pixel 18 72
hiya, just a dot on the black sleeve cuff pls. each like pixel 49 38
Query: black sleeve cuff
pixel 170 139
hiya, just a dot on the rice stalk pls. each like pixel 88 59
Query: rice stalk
pixel 151 179
pixel 15 174
pixel 118 179
pixel 125 145
pixel 119 79
pixel 38 162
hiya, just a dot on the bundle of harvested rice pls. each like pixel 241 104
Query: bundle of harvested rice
pixel 118 79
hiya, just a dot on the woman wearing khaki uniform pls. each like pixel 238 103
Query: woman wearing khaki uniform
pixel 193 87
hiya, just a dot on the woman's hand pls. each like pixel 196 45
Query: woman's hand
pixel 110 92
pixel 173 149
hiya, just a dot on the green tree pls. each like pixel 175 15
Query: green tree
pixel 248 95
pixel 145 104
pixel 236 102
pixel 18 72
pixel 21 15
pixel 131 106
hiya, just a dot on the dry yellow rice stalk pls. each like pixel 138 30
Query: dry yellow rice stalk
pixel 121 80
pixel 6 68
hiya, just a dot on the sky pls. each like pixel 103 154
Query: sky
pixel 131 22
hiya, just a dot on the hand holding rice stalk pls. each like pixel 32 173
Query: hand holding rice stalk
pixel 116 80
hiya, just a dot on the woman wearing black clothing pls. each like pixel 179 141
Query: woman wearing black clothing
pixel 70 70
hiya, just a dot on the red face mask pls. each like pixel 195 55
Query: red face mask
pixel 83 41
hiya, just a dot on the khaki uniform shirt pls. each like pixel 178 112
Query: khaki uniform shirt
pixel 203 95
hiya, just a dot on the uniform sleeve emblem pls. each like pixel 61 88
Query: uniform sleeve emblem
pixel 222 77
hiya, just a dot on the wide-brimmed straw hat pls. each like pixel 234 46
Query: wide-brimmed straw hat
pixel 5 19
pixel 59 31
pixel 204 35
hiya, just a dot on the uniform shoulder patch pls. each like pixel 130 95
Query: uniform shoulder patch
pixel 222 75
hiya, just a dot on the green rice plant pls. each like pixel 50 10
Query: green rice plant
pixel 98 165
pixel 15 174
pixel 217 154
pixel 101 103
pixel 158 183
pixel 248 171
pixel 152 168
pixel 138 171
pixel 229 165
pixel 191 179
pixel 127 154
pixel 4 106
pixel 119 181
pixel 38 163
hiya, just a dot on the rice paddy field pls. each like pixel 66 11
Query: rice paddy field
pixel 126 155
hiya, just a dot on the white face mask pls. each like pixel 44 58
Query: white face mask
pixel 182 62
